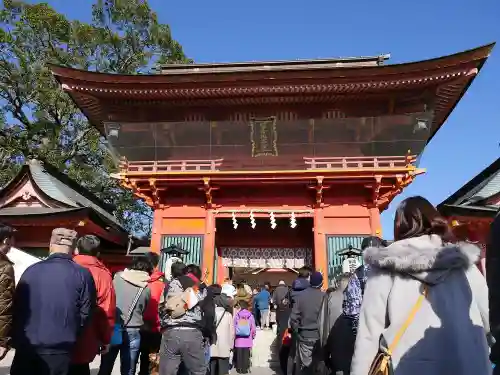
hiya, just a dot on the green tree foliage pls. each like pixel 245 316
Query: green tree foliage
pixel 38 120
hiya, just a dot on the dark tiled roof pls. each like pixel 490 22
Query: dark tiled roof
pixel 62 189
pixel 473 196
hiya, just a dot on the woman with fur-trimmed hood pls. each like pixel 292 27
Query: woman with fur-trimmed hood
pixel 449 332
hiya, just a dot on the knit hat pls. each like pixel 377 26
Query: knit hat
pixel 63 240
pixel 316 280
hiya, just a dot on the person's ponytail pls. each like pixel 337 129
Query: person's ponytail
pixel 440 227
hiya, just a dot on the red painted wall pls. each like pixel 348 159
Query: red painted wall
pixel 476 230
pixel 345 212
pixel 263 235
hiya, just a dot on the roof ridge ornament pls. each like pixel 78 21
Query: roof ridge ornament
pixel 382 58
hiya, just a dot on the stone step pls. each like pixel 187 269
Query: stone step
pixel 264 353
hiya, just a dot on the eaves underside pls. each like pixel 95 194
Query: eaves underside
pixel 261 176
pixel 446 89
pixel 310 85
pixel 468 211
pixel 43 215
pixel 447 78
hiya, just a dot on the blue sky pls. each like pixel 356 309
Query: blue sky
pixel 222 30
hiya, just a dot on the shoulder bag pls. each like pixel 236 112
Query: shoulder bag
pixel 214 335
pixel 220 320
pixel 382 364
pixel 116 338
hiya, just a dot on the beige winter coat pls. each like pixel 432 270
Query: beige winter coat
pixel 449 333
pixel 225 334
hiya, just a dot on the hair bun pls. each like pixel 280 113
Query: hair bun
pixel 440 226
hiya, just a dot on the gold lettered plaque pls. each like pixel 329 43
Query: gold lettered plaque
pixel 264 137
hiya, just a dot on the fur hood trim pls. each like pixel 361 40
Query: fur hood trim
pixel 422 256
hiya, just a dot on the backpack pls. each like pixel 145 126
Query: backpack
pixel 176 306
pixel 243 327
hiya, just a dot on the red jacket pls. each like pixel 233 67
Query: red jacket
pixel 100 329
pixel 156 285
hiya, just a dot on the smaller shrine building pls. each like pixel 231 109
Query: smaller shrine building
pixel 40 198
pixel 472 208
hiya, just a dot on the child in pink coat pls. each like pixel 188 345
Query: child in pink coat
pixel 245 330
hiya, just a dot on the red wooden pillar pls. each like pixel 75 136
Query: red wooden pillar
pixel 209 247
pixel 319 253
pixel 375 223
pixel 156 234
pixel 222 272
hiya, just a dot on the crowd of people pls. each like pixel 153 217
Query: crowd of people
pixel 417 305
pixel 68 309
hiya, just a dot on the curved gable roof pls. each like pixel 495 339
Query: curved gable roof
pixel 473 196
pixel 60 188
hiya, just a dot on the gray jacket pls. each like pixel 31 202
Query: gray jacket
pixel 329 314
pixel 127 283
pixel 448 335
pixel 305 312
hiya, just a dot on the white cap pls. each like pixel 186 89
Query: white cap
pixel 282 282
pixel 228 290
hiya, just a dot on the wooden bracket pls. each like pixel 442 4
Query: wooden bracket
pixel 208 189
pixel 376 190
pixel 319 188
pixel 132 185
pixel 155 193
pixel 402 181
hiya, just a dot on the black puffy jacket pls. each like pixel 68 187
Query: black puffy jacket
pixel 493 279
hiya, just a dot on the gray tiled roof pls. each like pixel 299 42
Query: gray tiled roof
pixel 472 198
pixel 50 183
pixel 491 188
